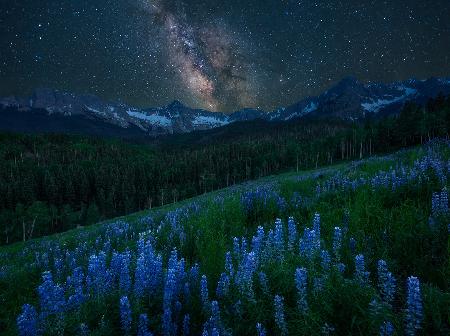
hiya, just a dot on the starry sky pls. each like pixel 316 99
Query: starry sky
pixel 218 55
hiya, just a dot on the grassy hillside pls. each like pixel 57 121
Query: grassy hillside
pixel 361 248
pixel 53 183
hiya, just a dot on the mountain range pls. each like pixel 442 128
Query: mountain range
pixel 49 110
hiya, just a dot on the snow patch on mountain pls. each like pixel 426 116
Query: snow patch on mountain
pixel 93 110
pixel 210 121
pixel 376 105
pixel 153 119
pixel 310 108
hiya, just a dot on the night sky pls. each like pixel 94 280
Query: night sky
pixel 221 55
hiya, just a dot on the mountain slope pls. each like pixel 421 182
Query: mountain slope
pixel 327 246
pixel 348 100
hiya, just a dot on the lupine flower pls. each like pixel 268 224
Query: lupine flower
pixel 194 274
pixel 75 283
pixel 414 310
pixel 98 276
pixel 439 203
pixel 243 245
pixel 337 243
pixel 301 278
pixel 229 264
pixel 125 315
pixel 244 277
pixel 386 282
pixel 260 329
pixel 316 225
pixel 167 322
pixel 325 260
pixel 204 292
pixel 327 329
pixel 308 243
pixel 279 314
pixel 83 329
pixel 27 321
pixel 223 285
pixel 215 314
pixel 214 332
pixel 236 248
pixel 140 277
pixel 170 288
pixel 278 241
pixel 257 242
pixel 186 322
pixel 361 275
pixel 292 233
pixel 51 296
pixel 124 280
pixel 386 329
pixel 155 268
pixel 143 326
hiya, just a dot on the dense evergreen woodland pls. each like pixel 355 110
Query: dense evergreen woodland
pixel 52 183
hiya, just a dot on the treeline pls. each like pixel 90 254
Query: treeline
pixel 52 183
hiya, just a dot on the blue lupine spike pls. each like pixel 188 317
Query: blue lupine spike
pixel 140 277
pixel 170 288
pixel 83 330
pixel 143 326
pixel 260 329
pixel 51 296
pixel 292 233
pixel 361 275
pixel 278 239
pixel 337 243
pixel 325 260
pixel 167 322
pixel 204 292
pixel 244 277
pixel 186 324
pixel 279 314
pixel 301 283
pixel 414 310
pixel 236 248
pixel 215 314
pixel 125 315
pixel 27 321
pixel 223 285
pixel 229 264
pixel 386 329
pixel 386 282
pixel 316 225
pixel 124 279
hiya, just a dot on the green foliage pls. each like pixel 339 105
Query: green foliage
pixel 81 180
pixel 387 224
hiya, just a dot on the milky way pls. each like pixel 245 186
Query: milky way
pixel 215 54
pixel 206 58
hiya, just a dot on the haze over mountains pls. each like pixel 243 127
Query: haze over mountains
pixel 49 110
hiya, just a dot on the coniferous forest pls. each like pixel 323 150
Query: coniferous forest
pixel 52 183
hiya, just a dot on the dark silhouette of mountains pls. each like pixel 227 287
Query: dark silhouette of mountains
pixel 49 110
